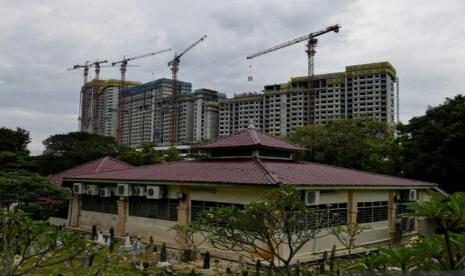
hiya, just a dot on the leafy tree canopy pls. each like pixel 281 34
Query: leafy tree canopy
pixel 262 228
pixel 433 145
pixel 13 149
pixel 353 143
pixel 146 155
pixel 36 243
pixel 39 196
pixel 64 151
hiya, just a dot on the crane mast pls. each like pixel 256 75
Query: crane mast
pixel 85 66
pixel 311 51
pixel 174 66
pixel 123 68
pixel 96 92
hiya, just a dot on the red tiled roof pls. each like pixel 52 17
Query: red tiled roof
pixel 253 172
pixel 104 164
pixel 250 138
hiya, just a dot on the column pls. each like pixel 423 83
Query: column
pixel 351 209
pixel 74 211
pixel 392 215
pixel 122 217
pixel 184 206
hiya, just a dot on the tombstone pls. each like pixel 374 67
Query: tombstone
pixel 258 266
pixel 243 264
pixel 91 259
pixel 155 257
pixel 106 262
pixel 94 232
pixel 206 260
pixel 86 259
pixel 332 258
pixel 137 246
pixel 100 239
pixel 127 242
pixel 17 258
pixel 298 268
pixel 120 254
pixel 163 256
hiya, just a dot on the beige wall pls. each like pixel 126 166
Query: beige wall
pixel 159 229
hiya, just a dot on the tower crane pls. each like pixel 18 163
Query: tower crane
pixel 86 75
pixel 174 66
pixel 311 45
pixel 123 67
pixel 96 65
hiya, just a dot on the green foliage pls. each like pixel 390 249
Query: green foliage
pixel 64 151
pixel 146 155
pixel 188 237
pixel 28 189
pixel 172 154
pixel 280 219
pixel 433 144
pixel 39 244
pixel 14 140
pixel 359 144
pixel 348 234
pixel 13 150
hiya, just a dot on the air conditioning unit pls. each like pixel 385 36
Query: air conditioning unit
pixel 312 198
pixel 154 192
pixel 123 190
pixel 92 190
pixel 412 196
pixel 138 191
pixel 78 188
pixel 105 192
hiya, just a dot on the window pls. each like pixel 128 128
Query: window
pixel 166 209
pixel 372 211
pixel 99 204
pixel 197 207
pixel 335 213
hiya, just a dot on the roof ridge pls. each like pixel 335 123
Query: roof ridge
pixel 253 135
pixel 119 161
pixel 221 137
pixel 101 164
pixel 275 179
pixel 281 139
pixel 78 166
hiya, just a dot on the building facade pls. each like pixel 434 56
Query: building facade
pixel 363 91
pixel 146 113
pixel 206 114
pixel 99 111
pixel 146 201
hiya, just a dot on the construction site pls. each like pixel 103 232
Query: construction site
pixel 167 112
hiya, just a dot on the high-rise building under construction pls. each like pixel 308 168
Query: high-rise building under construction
pixel 362 91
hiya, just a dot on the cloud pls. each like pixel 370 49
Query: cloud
pixel 422 39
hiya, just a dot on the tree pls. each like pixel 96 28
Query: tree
pixel 448 213
pixel 64 151
pixel 146 155
pixel 348 234
pixel 28 245
pixel 352 143
pixel 13 149
pixel 172 154
pixel 433 145
pixel 275 228
pixel 187 238
pixel 38 196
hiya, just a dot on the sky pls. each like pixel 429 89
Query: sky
pixel 39 40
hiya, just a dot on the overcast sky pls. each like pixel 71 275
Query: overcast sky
pixel 424 40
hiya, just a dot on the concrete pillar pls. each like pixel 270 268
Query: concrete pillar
pixel 392 215
pixel 122 217
pixel 74 211
pixel 184 206
pixel 351 209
